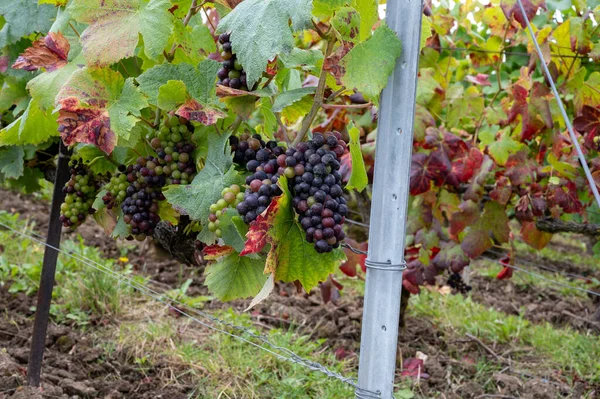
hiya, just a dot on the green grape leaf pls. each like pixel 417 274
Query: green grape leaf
pixel 358 177
pixel 196 198
pixel 585 90
pixel 301 58
pixel 235 276
pixel 200 82
pixel 23 17
pixel 290 256
pixel 14 92
pixel 167 213
pixel 368 16
pixel 501 148
pixel 97 105
pixel 121 229
pixel 193 43
pixel 493 224
pixel 11 161
pixel 28 182
pixel 326 8
pixel 114 27
pixel 34 126
pixel 171 94
pixel 95 159
pixel 44 87
pixel 288 98
pixel 298 109
pixel 233 229
pixel 346 23
pixel 369 64
pixel 260 30
pixel 269 118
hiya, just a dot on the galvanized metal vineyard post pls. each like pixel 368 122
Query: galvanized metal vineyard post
pixel 389 207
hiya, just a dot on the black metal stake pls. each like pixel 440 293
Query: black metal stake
pixel 42 312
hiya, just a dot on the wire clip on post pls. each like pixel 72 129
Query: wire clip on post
pixel 386 266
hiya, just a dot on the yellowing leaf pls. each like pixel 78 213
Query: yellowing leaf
pixel 114 26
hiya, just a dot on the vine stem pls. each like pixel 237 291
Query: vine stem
pixel 318 101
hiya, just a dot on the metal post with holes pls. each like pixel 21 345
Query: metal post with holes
pixel 385 261
pixel 42 311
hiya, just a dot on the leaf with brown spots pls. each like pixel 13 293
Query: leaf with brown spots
pixel 96 106
pixel 81 124
pixel 332 63
pixel 50 52
pixel 194 111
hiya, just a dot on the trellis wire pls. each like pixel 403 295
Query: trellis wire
pixel 291 356
pixel 543 267
pixel 561 107
pixel 540 276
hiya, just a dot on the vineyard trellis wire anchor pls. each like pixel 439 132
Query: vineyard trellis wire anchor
pixel 44 299
pixel 561 107
pixel 389 209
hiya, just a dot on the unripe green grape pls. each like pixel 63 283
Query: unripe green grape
pixel 218 233
pixel 211 226
pixel 174 121
pixel 221 204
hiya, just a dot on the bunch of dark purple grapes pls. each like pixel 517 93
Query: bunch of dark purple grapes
pixel 260 159
pixel 317 188
pixel 173 164
pixel 140 207
pixel 312 170
pixel 456 282
pixel 80 193
pixel 231 73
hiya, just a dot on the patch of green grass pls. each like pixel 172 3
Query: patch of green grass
pixel 566 349
pixel 80 290
pixel 227 367
pixel 563 248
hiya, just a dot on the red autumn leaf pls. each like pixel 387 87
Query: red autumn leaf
pixel 50 52
pixel 481 79
pixel 452 257
pixel 413 367
pixel 589 123
pixel 511 8
pixel 410 287
pixel 520 169
pixel 454 146
pixel 502 192
pixel 427 168
pixel 468 214
pixel 353 259
pixel 506 271
pixel 566 197
pixel 194 111
pixel 535 238
pixel 82 124
pixel 523 210
pixel 212 252
pixel 257 234
pixel 330 290
pixel 465 166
